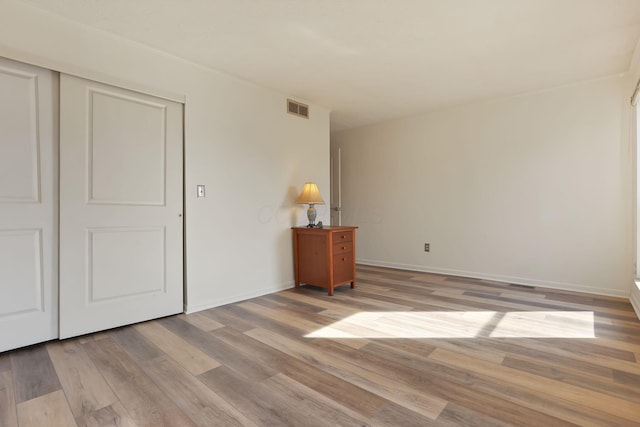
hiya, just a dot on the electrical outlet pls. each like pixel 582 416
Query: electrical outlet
pixel 427 247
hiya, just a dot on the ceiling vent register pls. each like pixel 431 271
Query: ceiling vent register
pixel 297 108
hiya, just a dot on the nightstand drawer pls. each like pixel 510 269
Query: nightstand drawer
pixel 342 248
pixel 343 236
pixel 343 266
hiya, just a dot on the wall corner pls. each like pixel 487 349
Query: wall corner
pixel 634 298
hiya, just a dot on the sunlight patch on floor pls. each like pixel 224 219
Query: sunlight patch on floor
pixel 467 324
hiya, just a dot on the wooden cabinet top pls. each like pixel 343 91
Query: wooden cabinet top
pixel 326 228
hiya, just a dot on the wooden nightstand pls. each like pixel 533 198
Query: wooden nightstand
pixel 325 257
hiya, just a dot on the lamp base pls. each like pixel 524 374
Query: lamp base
pixel 311 216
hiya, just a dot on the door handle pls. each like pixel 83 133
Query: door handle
pixel 337 209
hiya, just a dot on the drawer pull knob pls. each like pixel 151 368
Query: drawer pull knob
pixel 344 247
pixel 344 259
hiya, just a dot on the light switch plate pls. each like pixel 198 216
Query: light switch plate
pixel 200 190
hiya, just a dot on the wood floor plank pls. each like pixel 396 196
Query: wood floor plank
pixel 377 304
pixel 417 300
pixel 270 302
pixel 135 344
pixel 281 298
pixel 362 303
pixel 599 301
pixel 576 395
pixel 308 401
pixel 311 402
pixel 204 406
pixel 144 401
pixel 304 324
pixel 348 394
pixel 201 321
pixel 533 304
pixel 351 396
pixel 626 378
pixel 84 386
pixel 532 350
pixel 310 299
pixel 394 415
pixel 456 415
pixel 5 362
pixel 257 401
pixel 392 390
pixel 466 389
pixel 188 356
pixel 49 410
pixel 483 304
pixel 33 373
pixel 439 302
pixel 583 380
pixel 257 318
pixel 282 316
pixel 225 316
pixel 8 415
pixel 114 415
pixel 581 357
pixel 93 337
pixel 218 350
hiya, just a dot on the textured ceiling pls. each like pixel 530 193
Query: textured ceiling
pixel 372 60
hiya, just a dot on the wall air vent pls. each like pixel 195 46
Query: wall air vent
pixel 297 108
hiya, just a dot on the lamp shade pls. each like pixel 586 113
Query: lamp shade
pixel 310 195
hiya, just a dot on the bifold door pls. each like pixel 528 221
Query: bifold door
pixel 121 193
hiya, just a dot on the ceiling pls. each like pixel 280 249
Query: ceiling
pixel 373 60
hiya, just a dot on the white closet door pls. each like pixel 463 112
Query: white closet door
pixel 28 205
pixel 121 240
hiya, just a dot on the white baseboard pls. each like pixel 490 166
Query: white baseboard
pixel 193 308
pixel 498 278
pixel 635 297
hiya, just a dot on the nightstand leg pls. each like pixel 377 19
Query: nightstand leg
pixel 330 291
pixel 353 284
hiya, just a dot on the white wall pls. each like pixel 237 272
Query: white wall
pixel 252 156
pixel 634 133
pixel 535 189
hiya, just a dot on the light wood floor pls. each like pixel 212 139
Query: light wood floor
pixel 402 349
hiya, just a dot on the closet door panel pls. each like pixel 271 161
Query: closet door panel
pixel 121 199
pixel 28 204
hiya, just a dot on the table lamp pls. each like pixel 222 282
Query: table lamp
pixel 310 195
